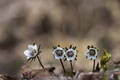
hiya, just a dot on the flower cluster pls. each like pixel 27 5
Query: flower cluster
pixel 69 54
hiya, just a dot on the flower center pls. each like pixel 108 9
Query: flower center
pixel 70 54
pixel 33 52
pixel 92 52
pixel 59 52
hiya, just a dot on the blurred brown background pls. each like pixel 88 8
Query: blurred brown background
pixel 53 22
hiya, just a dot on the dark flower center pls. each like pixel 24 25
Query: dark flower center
pixel 59 52
pixel 33 52
pixel 92 52
pixel 70 54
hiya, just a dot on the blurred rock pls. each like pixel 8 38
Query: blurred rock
pixel 34 74
pixel 99 76
pixel 40 74
pixel 5 77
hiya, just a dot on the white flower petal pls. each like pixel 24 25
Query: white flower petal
pixel 27 53
pixel 87 54
pixel 96 53
pixel 93 57
pixel 35 47
pixel 70 58
pixel 55 55
pixel 73 57
pixel 89 57
pixel 30 47
pixel 28 57
pixel 59 57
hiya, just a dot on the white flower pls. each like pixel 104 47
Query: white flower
pixel 59 53
pixel 71 54
pixel 91 54
pixel 31 52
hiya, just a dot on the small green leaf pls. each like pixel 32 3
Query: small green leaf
pixel 105 58
pixel 104 67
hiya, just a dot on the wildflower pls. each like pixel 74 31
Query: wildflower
pixel 31 52
pixel 71 54
pixel 92 53
pixel 59 53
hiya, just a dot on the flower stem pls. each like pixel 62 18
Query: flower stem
pixel 93 65
pixel 71 68
pixel 40 63
pixel 62 65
